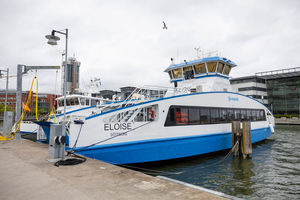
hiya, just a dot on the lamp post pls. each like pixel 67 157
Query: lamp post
pixel 52 40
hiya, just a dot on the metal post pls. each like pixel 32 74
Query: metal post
pixel 65 72
pixel 18 98
pixel 7 72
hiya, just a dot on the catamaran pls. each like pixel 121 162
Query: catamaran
pixel 191 118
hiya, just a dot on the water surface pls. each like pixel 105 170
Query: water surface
pixel 272 173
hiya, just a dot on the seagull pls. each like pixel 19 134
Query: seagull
pixel 165 26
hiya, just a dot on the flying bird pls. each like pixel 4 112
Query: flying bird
pixel 165 26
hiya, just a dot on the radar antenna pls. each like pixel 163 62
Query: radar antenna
pixel 198 50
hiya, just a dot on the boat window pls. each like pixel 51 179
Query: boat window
pixel 61 103
pixel 237 114
pixel 220 67
pixel 94 102
pixel 243 115
pixel 211 66
pixel 262 115
pixel 68 102
pixel 248 115
pixel 172 114
pixel 181 115
pixel 188 72
pixel 177 73
pixel 205 116
pixel 214 114
pixel 230 115
pixel 170 74
pixel 194 116
pixel 200 68
pixel 74 101
pixel 253 115
pixel 82 101
pixel 223 115
pixel 227 69
pixel 87 102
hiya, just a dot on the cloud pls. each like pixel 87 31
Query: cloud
pixel 123 41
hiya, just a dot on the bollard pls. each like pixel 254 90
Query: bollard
pixel 57 142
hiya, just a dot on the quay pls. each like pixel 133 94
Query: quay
pixel 287 121
pixel 25 173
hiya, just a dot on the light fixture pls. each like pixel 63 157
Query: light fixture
pixel 52 39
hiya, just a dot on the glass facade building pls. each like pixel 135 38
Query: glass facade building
pixel 278 89
pixel 284 95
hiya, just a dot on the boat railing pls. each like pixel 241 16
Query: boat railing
pixel 146 93
pixel 138 95
pixel 143 94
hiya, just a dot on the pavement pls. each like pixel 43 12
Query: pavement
pixel 25 173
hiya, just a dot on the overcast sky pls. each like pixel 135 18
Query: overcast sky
pixel 123 42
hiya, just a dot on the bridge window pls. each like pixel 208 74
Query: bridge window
pixel 200 68
pixel 227 69
pixel 220 67
pixel 211 66
pixel 188 72
pixel 177 73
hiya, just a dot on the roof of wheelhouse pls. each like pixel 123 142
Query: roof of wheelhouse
pixel 208 59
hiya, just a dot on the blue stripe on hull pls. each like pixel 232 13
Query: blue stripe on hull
pixel 167 149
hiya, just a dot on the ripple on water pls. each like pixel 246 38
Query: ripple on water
pixel 272 173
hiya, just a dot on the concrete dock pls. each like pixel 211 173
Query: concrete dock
pixel 287 121
pixel 25 173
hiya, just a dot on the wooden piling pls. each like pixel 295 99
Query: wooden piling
pixel 236 134
pixel 246 144
pixel 243 136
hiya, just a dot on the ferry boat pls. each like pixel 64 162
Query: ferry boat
pixel 83 105
pixel 153 124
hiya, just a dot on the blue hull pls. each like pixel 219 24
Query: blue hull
pixel 46 128
pixel 165 149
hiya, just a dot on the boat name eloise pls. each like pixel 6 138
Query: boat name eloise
pixel 117 126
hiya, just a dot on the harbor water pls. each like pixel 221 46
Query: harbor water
pixel 272 173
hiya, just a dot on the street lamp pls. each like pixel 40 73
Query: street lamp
pixel 52 40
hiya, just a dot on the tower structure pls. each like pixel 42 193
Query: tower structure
pixel 72 75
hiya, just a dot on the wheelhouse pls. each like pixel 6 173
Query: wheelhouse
pixel 200 68
pixel 79 100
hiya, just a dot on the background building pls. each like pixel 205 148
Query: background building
pixel 72 76
pixel 45 101
pixel 283 88
pixel 278 89
pixel 252 86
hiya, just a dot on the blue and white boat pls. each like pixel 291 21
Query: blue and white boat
pixel 192 118
pixel 76 105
